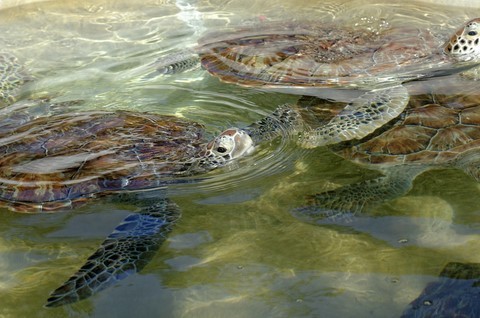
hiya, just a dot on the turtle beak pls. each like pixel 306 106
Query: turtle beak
pixel 243 144
pixel 231 144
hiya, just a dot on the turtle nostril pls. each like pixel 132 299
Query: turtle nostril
pixel 222 149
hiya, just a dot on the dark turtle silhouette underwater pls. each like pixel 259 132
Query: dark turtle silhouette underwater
pixel 316 56
pixel 454 294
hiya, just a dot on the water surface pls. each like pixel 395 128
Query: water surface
pixel 237 252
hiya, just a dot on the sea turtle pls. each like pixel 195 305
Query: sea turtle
pixel 455 294
pixel 57 162
pixel 434 132
pixel 317 56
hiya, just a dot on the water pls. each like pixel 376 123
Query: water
pixel 237 252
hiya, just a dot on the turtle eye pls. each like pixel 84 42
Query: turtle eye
pixel 472 33
pixel 221 149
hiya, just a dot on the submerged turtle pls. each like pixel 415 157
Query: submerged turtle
pixel 58 162
pixel 313 57
pixel 435 132
pixel 455 294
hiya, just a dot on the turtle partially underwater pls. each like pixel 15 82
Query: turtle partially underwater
pixel 317 56
pixel 57 162
pixel 434 132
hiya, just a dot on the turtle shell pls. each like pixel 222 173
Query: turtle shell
pixel 51 162
pixel 321 56
pixel 435 129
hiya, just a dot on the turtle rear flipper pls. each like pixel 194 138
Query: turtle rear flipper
pixel 455 294
pixel 361 117
pixel 124 252
pixel 358 197
pixel 177 63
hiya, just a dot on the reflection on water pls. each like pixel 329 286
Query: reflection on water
pixel 237 251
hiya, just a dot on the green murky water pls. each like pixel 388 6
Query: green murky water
pixel 237 252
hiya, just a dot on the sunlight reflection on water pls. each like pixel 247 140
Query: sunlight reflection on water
pixel 238 251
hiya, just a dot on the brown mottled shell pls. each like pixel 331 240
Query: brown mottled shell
pixel 434 132
pixel 321 56
pixel 53 161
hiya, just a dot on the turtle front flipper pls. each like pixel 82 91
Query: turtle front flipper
pixel 358 197
pixel 361 117
pixel 177 63
pixel 455 294
pixel 124 252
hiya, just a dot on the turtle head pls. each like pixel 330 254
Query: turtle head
pixel 230 144
pixel 464 45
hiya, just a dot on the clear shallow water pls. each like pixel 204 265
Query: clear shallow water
pixel 237 251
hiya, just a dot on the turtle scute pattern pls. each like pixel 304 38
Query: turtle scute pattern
pixel 306 57
pixel 332 55
pixel 433 133
pixel 311 56
pixel 52 162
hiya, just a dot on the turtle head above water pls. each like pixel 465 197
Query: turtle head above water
pixel 464 45
pixel 231 144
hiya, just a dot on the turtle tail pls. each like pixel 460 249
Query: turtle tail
pixel 177 63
